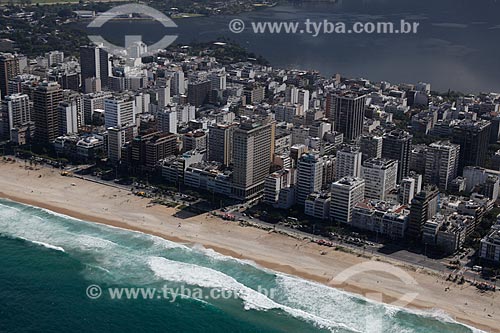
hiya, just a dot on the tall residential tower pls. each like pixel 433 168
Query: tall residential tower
pixel 251 158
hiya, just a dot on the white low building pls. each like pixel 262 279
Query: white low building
pixel 490 245
pixel 207 177
pixel 381 217
pixel 318 205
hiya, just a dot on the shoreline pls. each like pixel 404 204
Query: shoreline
pixel 309 263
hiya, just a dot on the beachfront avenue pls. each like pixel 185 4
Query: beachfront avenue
pixel 169 294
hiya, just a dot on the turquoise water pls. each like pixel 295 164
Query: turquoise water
pixel 48 260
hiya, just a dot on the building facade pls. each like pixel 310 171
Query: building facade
pixel 380 177
pixel 251 158
pixel 346 194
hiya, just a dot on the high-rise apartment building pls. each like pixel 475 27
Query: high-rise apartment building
pixel 380 177
pixel 254 93
pixel 346 111
pixel 251 158
pixel 309 176
pixel 117 137
pixel 441 163
pixel 346 194
pixel 14 112
pixel 9 67
pixel 423 207
pixel 91 103
pixel 167 120
pixel 54 57
pixel 303 99
pixel 95 63
pixel 178 84
pixel 397 146
pixel 142 101
pixel 292 95
pixel 198 92
pixel 370 146
pixel 220 143
pixel 407 190
pixel 163 92
pixel 348 163
pixel 119 111
pixel 46 99
pixel 70 113
pixel 473 138
pixel 145 150
pixel 278 190
pixel 218 80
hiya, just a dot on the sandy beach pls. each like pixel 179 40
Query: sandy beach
pixel 89 201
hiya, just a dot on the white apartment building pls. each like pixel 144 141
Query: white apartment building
pixel 278 188
pixel 15 111
pixel 309 176
pixel 119 111
pixel 407 191
pixel 167 120
pixel 380 177
pixel 346 194
pixel 348 162
pixel 441 163
pixel 490 245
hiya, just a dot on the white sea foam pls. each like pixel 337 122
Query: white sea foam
pixel 210 253
pixel 164 243
pixel 16 222
pixel 48 246
pixel 99 268
pixel 42 231
pixel 158 241
pixel 208 278
pixel 91 242
pixel 220 257
pixel 320 300
pixel 325 302
pixel 442 316
pixel 9 207
pixel 64 216
pixel 326 307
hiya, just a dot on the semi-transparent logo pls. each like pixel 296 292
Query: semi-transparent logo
pixel 125 11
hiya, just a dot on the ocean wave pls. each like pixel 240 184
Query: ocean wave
pixel 208 278
pixel 320 300
pixel 21 221
pixel 8 206
pixel 221 257
pixel 442 316
pixel 46 245
pixel 163 243
pixel 49 246
pixel 91 242
pixel 158 241
pixel 357 311
pixel 124 255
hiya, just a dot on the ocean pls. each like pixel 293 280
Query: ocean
pixel 48 261
pixel 456 46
